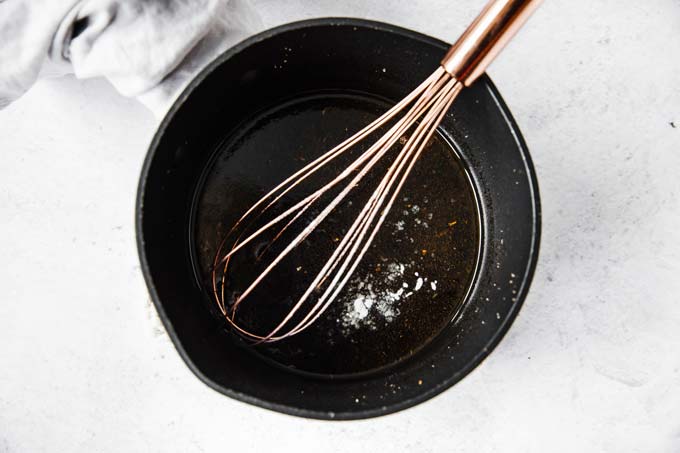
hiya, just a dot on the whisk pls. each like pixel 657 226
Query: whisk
pixel 419 115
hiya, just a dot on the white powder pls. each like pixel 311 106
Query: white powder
pixel 393 271
pixel 377 297
pixel 370 305
pixel 358 311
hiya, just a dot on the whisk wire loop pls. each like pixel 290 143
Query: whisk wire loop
pixel 424 108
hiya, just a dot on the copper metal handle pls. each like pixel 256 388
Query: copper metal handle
pixel 486 36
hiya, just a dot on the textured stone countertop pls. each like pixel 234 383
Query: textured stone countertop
pixel 592 363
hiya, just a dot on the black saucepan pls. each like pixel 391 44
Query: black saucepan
pixel 346 60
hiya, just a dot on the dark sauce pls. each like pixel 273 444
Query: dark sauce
pixel 409 285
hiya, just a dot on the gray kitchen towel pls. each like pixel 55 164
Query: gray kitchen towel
pixel 148 49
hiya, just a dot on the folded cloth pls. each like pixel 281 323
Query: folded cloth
pixel 148 49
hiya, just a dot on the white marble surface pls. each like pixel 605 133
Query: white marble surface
pixel 592 363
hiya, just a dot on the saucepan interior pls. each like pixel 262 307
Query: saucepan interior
pixel 314 61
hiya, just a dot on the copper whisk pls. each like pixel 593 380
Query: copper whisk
pixel 421 112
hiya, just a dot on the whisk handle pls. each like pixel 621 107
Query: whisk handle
pixel 485 37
